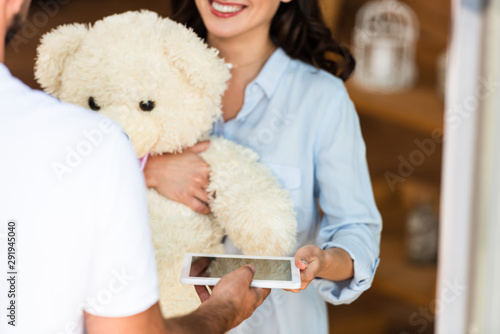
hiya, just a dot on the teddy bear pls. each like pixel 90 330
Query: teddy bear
pixel 164 85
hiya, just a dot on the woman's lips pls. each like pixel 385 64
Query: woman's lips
pixel 225 9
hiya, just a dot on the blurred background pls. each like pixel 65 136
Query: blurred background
pixel 400 47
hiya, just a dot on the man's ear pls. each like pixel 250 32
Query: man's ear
pixel 54 49
pixel 17 7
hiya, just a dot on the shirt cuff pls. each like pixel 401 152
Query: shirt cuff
pixel 345 292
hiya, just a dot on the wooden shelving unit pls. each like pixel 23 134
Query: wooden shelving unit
pixel 413 283
pixel 391 122
pixel 420 109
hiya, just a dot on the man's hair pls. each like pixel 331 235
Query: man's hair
pixel 298 28
pixel 15 26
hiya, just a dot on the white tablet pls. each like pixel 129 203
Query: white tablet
pixel 270 272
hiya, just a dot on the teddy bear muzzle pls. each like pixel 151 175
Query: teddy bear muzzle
pixel 139 126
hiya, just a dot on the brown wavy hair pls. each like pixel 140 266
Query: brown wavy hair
pixel 298 28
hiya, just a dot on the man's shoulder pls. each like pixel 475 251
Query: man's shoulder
pixel 30 110
pixel 39 104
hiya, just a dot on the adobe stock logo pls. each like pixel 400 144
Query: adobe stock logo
pixel 425 316
pixel 456 115
pixel 407 166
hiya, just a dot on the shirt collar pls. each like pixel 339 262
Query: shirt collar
pixel 270 74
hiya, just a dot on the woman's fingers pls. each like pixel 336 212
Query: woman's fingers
pixel 201 195
pixel 198 206
pixel 202 146
pixel 181 177
pixel 305 256
pixel 202 177
pixel 307 260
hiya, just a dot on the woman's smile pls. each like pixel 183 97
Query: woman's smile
pixel 237 18
pixel 225 9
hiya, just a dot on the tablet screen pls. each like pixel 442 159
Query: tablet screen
pixel 265 269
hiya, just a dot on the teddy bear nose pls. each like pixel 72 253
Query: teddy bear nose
pixel 147 106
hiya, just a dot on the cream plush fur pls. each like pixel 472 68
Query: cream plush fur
pixel 136 57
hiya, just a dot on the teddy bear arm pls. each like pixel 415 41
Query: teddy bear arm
pixel 249 203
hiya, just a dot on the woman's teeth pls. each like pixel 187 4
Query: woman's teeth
pixel 225 8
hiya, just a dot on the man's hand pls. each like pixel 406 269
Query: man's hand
pixel 231 302
pixel 233 296
pixel 181 177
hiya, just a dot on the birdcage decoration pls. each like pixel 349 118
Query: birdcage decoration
pixel 385 37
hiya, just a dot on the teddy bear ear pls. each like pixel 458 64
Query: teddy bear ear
pixel 200 63
pixel 55 47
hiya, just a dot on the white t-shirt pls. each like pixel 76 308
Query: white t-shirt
pixel 71 184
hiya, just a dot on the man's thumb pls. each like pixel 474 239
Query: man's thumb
pixel 252 268
pixel 247 272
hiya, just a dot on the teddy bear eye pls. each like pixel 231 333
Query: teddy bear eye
pixel 93 105
pixel 147 106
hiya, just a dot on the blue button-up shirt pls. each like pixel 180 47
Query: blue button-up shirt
pixel 302 123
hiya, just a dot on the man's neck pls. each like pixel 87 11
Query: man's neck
pixel 2 48
pixel 3 34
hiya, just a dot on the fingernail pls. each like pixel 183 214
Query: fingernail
pixel 252 268
pixel 305 262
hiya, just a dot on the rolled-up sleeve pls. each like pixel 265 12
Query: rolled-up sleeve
pixel 351 220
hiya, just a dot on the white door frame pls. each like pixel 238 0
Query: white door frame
pixel 466 301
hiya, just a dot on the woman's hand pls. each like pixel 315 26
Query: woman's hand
pixel 334 264
pixel 181 177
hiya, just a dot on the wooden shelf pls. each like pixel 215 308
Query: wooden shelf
pixel 420 109
pixel 400 279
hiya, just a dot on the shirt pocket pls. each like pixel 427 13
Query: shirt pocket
pixel 291 179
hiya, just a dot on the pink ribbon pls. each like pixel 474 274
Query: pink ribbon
pixel 143 161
